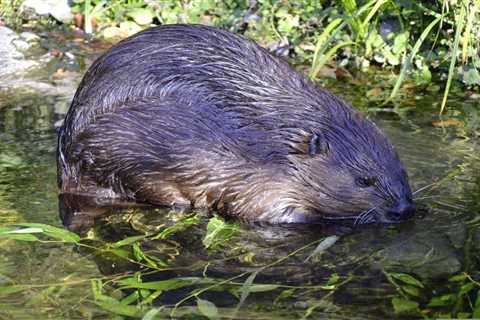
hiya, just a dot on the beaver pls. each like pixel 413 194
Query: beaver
pixel 195 116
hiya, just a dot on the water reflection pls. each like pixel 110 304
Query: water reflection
pixel 433 246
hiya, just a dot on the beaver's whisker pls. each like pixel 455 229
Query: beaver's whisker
pixel 359 217
pixel 363 216
pixel 369 216
pixel 424 187
pixel 426 197
pixel 370 219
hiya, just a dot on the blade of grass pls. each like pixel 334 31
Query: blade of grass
pixel 408 62
pixel 51 231
pixel 352 17
pixel 451 69
pixel 323 41
pixel 325 57
pixel 87 18
pixel 337 25
pixel 373 12
pixel 468 29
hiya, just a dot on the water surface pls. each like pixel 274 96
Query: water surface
pixel 351 277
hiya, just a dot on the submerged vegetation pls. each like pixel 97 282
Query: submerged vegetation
pixel 159 286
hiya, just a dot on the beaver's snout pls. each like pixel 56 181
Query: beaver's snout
pixel 402 210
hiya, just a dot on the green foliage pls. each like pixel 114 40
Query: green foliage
pixel 130 295
pixel 28 232
pixel 412 38
pixel 461 301
pixel 207 308
pixel 218 232
pixel 404 306
pixel 9 13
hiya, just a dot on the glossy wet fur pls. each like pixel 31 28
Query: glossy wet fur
pixel 196 116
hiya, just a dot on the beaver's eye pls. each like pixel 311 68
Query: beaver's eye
pixel 317 145
pixel 365 182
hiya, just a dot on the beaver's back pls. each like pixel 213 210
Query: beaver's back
pixel 200 67
pixel 192 62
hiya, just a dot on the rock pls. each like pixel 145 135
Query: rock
pixel 21 45
pixel 12 60
pixel 29 37
pixel 59 9
pixel 21 76
pixel 427 254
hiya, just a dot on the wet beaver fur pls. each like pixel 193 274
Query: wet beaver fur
pixel 189 115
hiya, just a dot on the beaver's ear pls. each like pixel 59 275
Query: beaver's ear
pixel 318 145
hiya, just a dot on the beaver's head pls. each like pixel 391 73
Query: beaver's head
pixel 346 168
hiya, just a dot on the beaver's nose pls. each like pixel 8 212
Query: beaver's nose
pixel 402 210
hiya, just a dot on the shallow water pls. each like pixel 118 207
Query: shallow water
pixel 351 277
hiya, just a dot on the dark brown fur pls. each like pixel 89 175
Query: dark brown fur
pixel 197 116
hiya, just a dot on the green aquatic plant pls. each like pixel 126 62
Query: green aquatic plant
pixel 130 294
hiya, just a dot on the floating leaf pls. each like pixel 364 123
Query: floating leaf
pixel 442 301
pixel 263 287
pixel 179 226
pixel 25 230
pixel 404 306
pixel 458 278
pixel 464 315
pixel 207 308
pixel 411 290
pixel 407 279
pixel 322 246
pixel 127 241
pixel 466 288
pixel 447 123
pixel 113 33
pixel 152 313
pixel 245 290
pixel 134 296
pixel 218 232
pixel 121 253
pixel 19 237
pixel 333 279
pixel 120 309
pixel 53 232
pixel 129 27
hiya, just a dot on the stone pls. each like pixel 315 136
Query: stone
pixel 12 60
pixel 59 9
pixel 29 37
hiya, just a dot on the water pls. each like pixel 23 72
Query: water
pixel 356 275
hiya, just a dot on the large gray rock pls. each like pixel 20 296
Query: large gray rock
pixel 12 58
pixel 59 9
pixel 24 72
